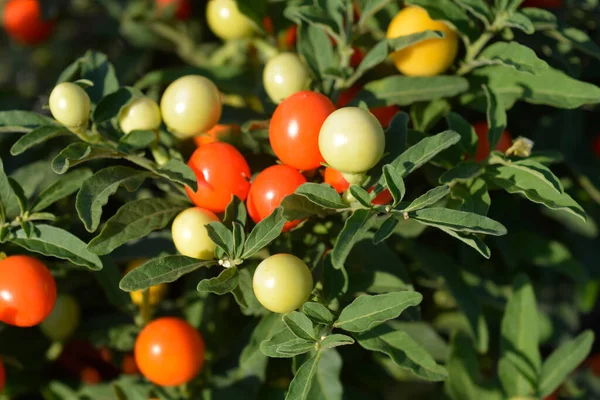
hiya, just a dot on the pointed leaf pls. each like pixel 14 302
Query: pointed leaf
pixel 326 384
pixel 321 194
pixel 361 195
pixel 65 186
pixel 77 153
pixel 463 369
pixel 264 233
pixel 283 337
pixel 430 198
pixel 300 386
pixel 354 229
pixel 300 325
pixel 496 116
pixel 458 220
pixel 468 137
pixel 222 237
pixel 462 172
pixel 514 55
pixel 336 340
pixel 386 229
pixel 227 280
pixel 394 182
pixel 36 137
pixel 318 313
pixel 235 212
pixel 8 199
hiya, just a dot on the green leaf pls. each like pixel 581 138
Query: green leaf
pixel 137 140
pixel 235 212
pixel 321 194
pixel 404 90
pixel 367 312
pixel 65 186
pixel 515 179
pixel 519 342
pixel 360 195
pixel 515 55
pixel 24 119
pixel 425 115
pixel 496 116
pixel 450 12
pixel 55 242
pixel 403 350
pixel 300 325
pixel 439 264
pixel 563 361
pixel 508 5
pixel 472 196
pixel 386 229
pixel 326 383
pixel 458 221
pixel 110 106
pixel 19 194
pixel 394 182
pixel 222 237
pixel 135 220
pixel 296 347
pixel 96 191
pixel 318 313
pixel 478 8
pixel 370 8
pixel 255 10
pixel 77 153
pixel 314 46
pixel 577 38
pixel 379 53
pixel 227 280
pixel 519 21
pixel 264 233
pixel 239 239
pixel 161 270
pixel 108 278
pixel 300 386
pixel 511 85
pixel 336 340
pixel 244 293
pixel 430 198
pixel 354 229
pixel 36 137
pixel 8 199
pixel 463 370
pixel 539 171
pixel 541 19
pixel 252 359
pixel 95 67
pixel 462 172
pixel 468 137
pixel 471 240
pixel 284 337
pixel 177 171
pixel 296 207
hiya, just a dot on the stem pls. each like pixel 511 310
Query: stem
pixel 474 50
pixel 146 309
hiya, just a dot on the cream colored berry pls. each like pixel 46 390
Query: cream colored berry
pixel 190 235
pixel 140 114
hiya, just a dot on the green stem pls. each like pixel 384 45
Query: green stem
pixel 473 51
pixel 146 308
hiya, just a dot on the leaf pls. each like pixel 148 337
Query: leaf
pixel 321 194
pixel 77 153
pixel 227 280
pixel 255 10
pixel 296 347
pixel 37 136
pixel 65 186
pixel 478 8
pixel 95 67
pixel 508 5
pixel 458 221
pixel 515 55
pixel 235 212
pixel 300 325
pixel 471 240
pixel 394 182
pixel 540 171
pixel 222 237
pixel 314 46
pixel 524 182
pixel 370 8
pixel 354 229
pixel 135 220
pixel 468 137
pixel 360 195
pixel 252 361
pixel 462 172
pixel 519 21
pixel 55 242
pixel 403 350
pixel 336 340
pixel 300 386
pixel 244 293
pixel 264 233
pixel 496 116
pixel 519 341
pixel 239 239
pixel 9 201
pixel 577 38
pixel 326 383
pixel 540 18
pixel 136 140
pixel 430 198
pixel 463 370
pixel 404 90
pixel 511 85
pixel 318 313
pixel 448 11
pixel 19 194
pixel 425 115
pixel 471 197
pixel 386 229
pixel 110 106
pixel 379 53
pixel 96 191
pixel 161 270
pixel 441 265
pixel 563 361
pixel 24 119
pixel 367 312
pixel 177 171
pixel 283 337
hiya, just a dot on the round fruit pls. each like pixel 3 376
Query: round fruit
pixel 184 7
pixel 222 171
pixel 27 291
pixel 218 133
pixel 191 105
pixel 63 320
pixel 128 365
pixel 70 105
pixel 427 58
pixel 190 235
pixel 22 20
pixel 284 75
pixel 2 376
pixel 335 178
pixel 141 114
pixel 282 283
pixel 169 351
pixel 155 293
pixel 90 375
pixel 542 3
pixel 294 129
pixel 268 190
pixel 226 21
pixel 483 143
pixel 352 140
